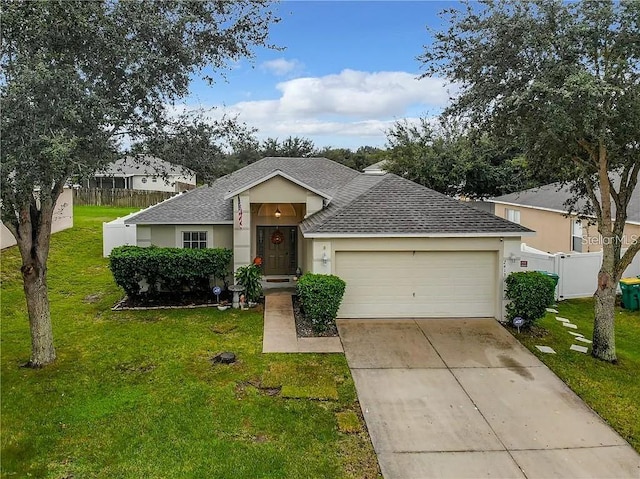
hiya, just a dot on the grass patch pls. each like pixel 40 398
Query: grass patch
pixel 348 422
pixel 612 390
pixel 134 393
pixel 301 380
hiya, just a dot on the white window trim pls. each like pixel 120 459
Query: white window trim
pixel 193 228
pixel 575 222
pixel 191 232
pixel 512 215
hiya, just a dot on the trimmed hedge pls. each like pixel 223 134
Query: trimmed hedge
pixel 530 293
pixel 320 296
pixel 174 269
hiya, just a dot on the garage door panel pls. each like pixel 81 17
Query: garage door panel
pixel 417 284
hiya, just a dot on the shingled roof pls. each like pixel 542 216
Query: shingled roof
pixel 555 196
pixel 390 205
pixel 144 165
pixel 360 204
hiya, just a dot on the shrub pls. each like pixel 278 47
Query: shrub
pixel 249 276
pixel 530 293
pixel 320 296
pixel 175 269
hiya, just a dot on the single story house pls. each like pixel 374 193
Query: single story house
pixel 544 210
pixel 404 250
pixel 143 173
pixel 62 219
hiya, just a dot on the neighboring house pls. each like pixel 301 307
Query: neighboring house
pixel 146 173
pixel 404 250
pixel 544 210
pixel 62 219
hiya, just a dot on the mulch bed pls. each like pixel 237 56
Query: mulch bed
pixel 304 327
pixel 172 300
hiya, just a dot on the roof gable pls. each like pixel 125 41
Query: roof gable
pixel 320 175
pixel 271 175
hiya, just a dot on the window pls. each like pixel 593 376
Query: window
pixel 144 180
pixel 154 180
pixel 194 239
pixel 576 236
pixel 512 215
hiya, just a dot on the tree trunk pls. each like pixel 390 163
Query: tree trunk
pixel 604 341
pixel 32 234
pixel 35 290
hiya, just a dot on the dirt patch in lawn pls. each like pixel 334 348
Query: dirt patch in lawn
pixel 304 326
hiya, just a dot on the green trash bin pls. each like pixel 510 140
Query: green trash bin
pixel 553 276
pixel 630 288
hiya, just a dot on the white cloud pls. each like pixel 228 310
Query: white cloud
pixel 350 93
pixel 350 108
pixel 281 66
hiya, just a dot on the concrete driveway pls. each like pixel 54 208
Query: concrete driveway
pixel 463 399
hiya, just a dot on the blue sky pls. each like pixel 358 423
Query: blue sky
pixel 347 71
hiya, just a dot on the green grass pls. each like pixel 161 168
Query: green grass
pixel 135 394
pixel 612 390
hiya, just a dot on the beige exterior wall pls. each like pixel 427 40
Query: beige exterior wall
pixel 553 230
pixel 163 236
pixel 62 219
pixel 278 190
pixel 170 236
pixel 223 236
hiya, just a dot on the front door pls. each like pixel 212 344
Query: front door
pixel 277 247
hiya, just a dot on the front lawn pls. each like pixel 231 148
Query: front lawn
pixel 613 391
pixel 135 394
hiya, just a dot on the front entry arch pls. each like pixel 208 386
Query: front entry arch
pixel 277 246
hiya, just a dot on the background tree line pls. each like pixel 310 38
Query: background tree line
pixel 441 156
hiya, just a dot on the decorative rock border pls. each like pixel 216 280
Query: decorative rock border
pixel 119 306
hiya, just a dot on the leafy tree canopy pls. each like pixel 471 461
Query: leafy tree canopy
pixel 454 162
pixel 562 80
pixel 75 76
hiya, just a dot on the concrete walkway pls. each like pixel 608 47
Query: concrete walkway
pixel 280 329
pixel 463 399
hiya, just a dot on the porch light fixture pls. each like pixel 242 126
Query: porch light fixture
pixel 325 258
pixel 277 213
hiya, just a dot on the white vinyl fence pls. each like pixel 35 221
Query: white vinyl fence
pixel 116 233
pixel 578 271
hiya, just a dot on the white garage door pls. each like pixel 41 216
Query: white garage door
pixel 403 284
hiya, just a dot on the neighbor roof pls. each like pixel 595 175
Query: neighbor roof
pixel 555 196
pixel 143 165
pixel 360 204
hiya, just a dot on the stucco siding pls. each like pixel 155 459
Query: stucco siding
pixel 278 190
pixel 62 218
pixel 223 236
pixel 163 236
pixel 554 230
pixel 140 182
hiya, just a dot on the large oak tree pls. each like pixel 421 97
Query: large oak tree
pixel 562 80
pixel 77 75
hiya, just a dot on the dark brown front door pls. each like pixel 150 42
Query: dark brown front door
pixel 277 247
